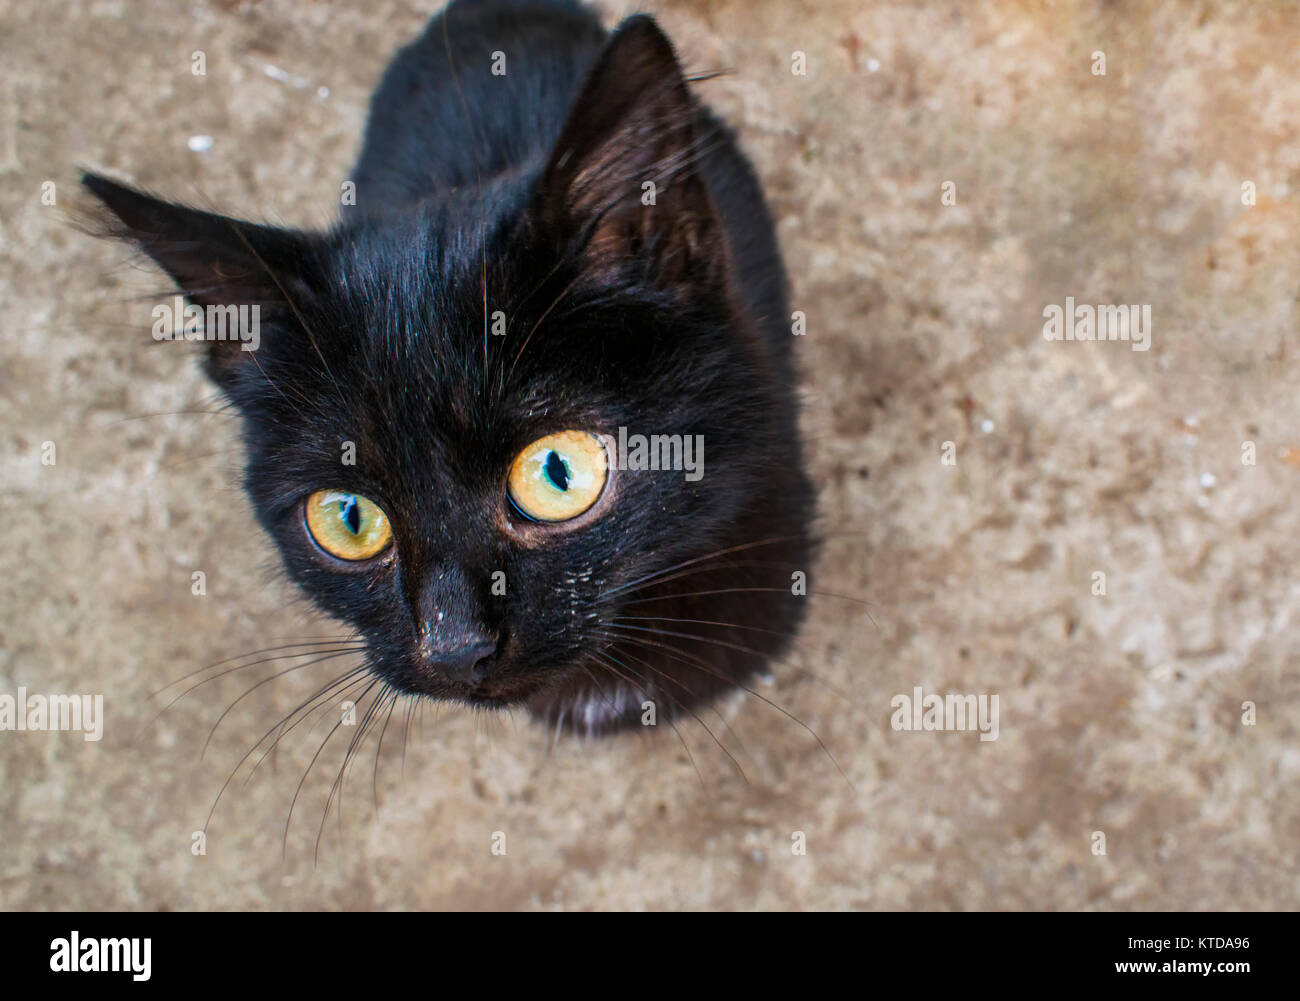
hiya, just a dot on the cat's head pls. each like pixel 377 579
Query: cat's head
pixel 425 408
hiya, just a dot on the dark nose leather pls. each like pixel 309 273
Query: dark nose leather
pixel 467 664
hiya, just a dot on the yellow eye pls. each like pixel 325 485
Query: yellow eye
pixel 346 525
pixel 558 477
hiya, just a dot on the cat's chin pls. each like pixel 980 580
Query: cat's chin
pixel 575 707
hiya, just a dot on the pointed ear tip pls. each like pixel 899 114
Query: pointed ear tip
pixel 92 181
pixel 100 186
pixel 99 210
pixel 108 207
pixel 643 29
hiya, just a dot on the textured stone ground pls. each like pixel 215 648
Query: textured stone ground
pixel 1119 713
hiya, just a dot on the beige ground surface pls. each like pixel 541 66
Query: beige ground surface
pixel 1119 713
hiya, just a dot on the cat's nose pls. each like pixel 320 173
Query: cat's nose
pixel 466 663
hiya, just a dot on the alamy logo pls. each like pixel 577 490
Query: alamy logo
pixel 919 711
pixel 1098 323
pixel 657 451
pixel 72 713
pixel 177 321
pixel 75 954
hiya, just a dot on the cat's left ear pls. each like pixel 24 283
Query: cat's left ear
pixel 215 260
pixel 623 175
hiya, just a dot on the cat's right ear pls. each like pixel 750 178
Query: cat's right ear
pixel 623 172
pixel 214 260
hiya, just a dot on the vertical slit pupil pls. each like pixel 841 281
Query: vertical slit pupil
pixel 350 511
pixel 557 471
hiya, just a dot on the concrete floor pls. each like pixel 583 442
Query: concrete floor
pixel 1120 713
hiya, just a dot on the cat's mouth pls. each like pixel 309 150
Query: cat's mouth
pixel 515 688
pixel 501 693
pixel 484 700
pixel 488 694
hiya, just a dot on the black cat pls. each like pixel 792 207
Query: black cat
pixel 554 251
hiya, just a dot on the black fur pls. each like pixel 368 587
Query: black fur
pixel 523 193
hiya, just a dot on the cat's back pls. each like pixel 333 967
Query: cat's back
pixel 484 90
